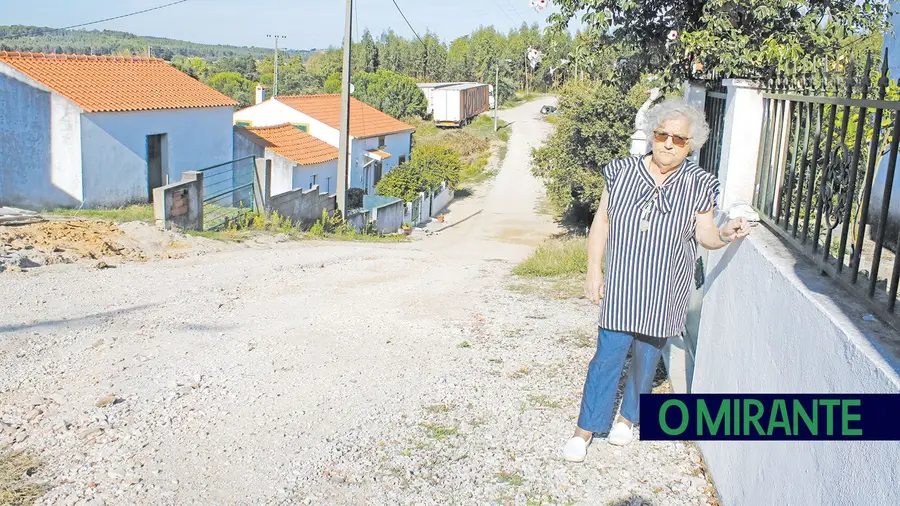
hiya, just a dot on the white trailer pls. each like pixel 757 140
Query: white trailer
pixel 458 104
pixel 428 90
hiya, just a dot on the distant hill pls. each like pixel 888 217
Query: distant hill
pixel 105 42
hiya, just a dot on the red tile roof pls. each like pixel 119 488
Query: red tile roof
pixel 112 83
pixel 293 144
pixel 365 120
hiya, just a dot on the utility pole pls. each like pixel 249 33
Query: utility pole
pixel 344 143
pixel 276 37
pixel 497 91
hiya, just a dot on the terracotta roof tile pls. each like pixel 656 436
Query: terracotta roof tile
pixel 110 83
pixel 293 144
pixel 365 120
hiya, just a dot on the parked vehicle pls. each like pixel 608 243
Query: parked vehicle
pixel 459 104
pixel 548 109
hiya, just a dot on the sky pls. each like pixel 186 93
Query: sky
pixel 307 24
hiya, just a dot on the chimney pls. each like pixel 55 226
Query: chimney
pixel 260 93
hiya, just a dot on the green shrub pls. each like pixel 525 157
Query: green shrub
pixel 428 167
pixel 403 182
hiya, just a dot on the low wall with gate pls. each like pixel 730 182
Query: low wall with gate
pixel 387 213
pixel 179 205
pixel 770 321
pixel 428 205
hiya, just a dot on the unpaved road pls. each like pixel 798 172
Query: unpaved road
pixel 321 373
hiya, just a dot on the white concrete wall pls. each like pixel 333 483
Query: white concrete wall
pixel 441 200
pixel 771 324
pixel 40 153
pixel 272 112
pixel 323 171
pixel 114 149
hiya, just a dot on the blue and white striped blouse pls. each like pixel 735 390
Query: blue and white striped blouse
pixel 652 249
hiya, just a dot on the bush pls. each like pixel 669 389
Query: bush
pixel 355 198
pixel 594 127
pixel 428 167
pixel 393 94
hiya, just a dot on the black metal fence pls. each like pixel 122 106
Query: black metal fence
pixel 825 180
pixel 229 192
pixel 711 153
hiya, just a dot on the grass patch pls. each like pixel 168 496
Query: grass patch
pixel 472 142
pixel 440 408
pixel 119 215
pixel 440 431
pixel 513 479
pixel 556 257
pixel 464 344
pixel 579 338
pixel 519 99
pixel 14 468
pixel 544 402
pixel 251 224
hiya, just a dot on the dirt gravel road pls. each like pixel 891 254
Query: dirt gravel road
pixel 321 373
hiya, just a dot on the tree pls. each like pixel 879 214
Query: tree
pixel 593 128
pixel 235 86
pixel 680 39
pixel 428 167
pixel 391 93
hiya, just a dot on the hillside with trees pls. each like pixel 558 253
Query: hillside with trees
pixel 107 42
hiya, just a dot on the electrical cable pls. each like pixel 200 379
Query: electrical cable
pixel 516 11
pixel 51 30
pixel 511 20
pixel 407 22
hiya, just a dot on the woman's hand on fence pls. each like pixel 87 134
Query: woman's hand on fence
pixel 593 287
pixel 737 228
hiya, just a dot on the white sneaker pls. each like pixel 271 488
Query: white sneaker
pixel 576 449
pixel 620 435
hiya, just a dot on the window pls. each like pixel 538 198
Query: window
pixel 242 123
pixel 365 181
pixel 402 159
pixel 328 185
pixel 313 180
pixel 381 142
pixel 303 127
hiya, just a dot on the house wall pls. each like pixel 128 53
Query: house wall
pixel 326 176
pixel 40 163
pixel 272 112
pixel 397 145
pixel 245 147
pixel 115 149
pixel 772 324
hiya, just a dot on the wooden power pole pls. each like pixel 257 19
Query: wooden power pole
pixel 344 143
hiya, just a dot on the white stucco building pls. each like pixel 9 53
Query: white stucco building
pixel 299 160
pixel 103 131
pixel 378 142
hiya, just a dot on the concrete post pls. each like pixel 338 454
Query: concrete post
pixel 740 142
pixel 263 184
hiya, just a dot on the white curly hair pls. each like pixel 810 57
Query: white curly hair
pixel 673 108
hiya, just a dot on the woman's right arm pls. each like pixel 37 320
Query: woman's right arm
pixel 596 246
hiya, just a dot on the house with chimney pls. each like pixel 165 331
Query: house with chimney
pixel 378 142
pixel 103 131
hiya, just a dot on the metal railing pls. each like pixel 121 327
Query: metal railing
pixel 229 192
pixel 711 153
pixel 826 174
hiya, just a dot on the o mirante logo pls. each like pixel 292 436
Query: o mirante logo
pixel 770 417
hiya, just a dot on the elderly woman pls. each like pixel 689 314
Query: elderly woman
pixel 653 211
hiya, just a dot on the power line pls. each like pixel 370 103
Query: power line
pixel 511 20
pixel 50 30
pixel 407 22
pixel 516 11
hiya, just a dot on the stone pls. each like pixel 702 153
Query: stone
pixel 36 412
pixel 106 401
pixel 116 474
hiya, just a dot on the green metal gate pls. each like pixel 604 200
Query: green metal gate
pixel 229 192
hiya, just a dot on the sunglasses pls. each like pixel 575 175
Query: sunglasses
pixel 676 139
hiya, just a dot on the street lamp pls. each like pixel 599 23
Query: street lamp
pixel 497 91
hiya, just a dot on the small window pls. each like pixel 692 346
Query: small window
pixel 328 185
pixel 313 180
pixel 402 159
pixel 245 124
pixel 381 142
pixel 303 127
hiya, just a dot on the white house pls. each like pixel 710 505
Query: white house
pixel 299 160
pixel 103 131
pixel 378 142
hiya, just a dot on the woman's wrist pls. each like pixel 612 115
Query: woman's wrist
pixel 724 238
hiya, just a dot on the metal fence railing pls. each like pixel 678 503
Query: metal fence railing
pixel 228 192
pixel 711 152
pixel 825 179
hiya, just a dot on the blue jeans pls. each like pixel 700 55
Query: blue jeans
pixel 603 378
